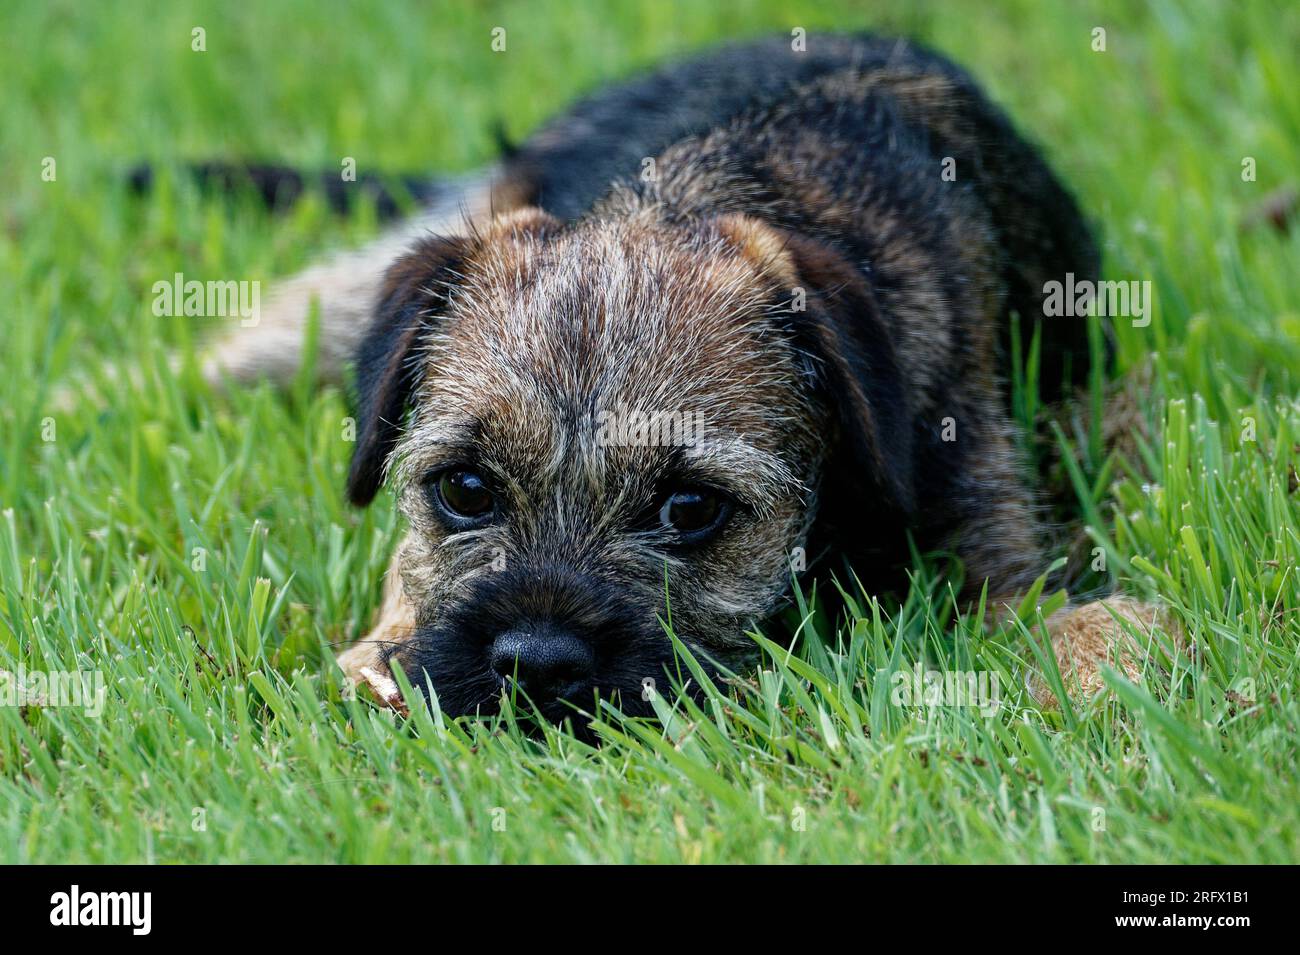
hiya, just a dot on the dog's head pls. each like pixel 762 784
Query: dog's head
pixel 601 429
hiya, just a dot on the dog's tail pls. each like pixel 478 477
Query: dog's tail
pixel 279 187
pixel 342 287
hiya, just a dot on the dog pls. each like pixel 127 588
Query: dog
pixel 811 257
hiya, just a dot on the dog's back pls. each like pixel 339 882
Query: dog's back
pixel 571 162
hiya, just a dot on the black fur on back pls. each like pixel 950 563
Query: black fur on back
pixel 571 161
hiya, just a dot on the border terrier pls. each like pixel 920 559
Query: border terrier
pixel 754 305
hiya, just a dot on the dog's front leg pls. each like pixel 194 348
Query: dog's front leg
pixel 1116 631
pixel 364 662
pixel 1001 542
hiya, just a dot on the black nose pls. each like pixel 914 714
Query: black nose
pixel 547 664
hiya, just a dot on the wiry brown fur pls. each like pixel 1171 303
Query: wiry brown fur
pixel 796 271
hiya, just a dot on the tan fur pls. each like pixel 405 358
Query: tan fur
pixel 394 623
pixel 1117 632
pixel 662 327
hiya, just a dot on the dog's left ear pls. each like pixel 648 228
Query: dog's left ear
pixel 414 294
pixel 842 329
pixel 416 291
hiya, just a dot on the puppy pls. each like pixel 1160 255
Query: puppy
pixel 705 328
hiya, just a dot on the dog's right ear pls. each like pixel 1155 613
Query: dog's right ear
pixel 414 294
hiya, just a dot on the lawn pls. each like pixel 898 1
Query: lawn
pixel 195 551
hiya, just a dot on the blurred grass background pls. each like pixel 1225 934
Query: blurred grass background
pixel 102 524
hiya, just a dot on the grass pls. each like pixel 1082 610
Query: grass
pixel 196 549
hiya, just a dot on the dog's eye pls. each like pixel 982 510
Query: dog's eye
pixel 464 495
pixel 693 513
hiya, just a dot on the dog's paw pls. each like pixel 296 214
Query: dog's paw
pixel 386 689
pixel 1117 631
pixel 363 663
